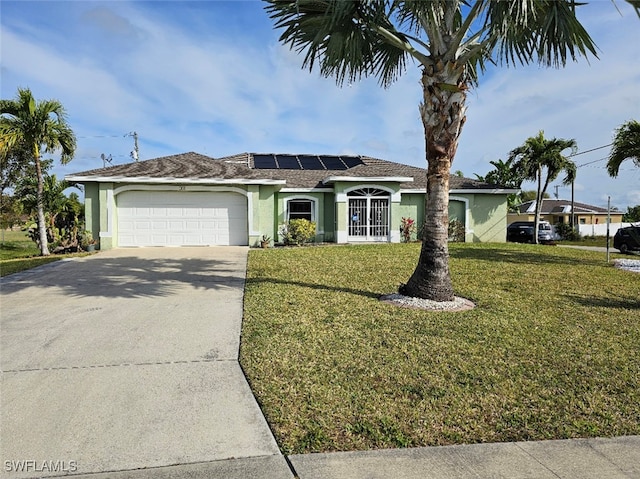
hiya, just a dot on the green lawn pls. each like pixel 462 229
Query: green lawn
pixel 552 349
pixel 19 253
pixel 590 241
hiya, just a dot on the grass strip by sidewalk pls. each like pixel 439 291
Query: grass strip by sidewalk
pixel 551 351
pixel 19 253
pixel 16 265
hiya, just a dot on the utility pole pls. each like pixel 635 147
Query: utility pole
pixel 608 222
pixel 573 214
pixel 135 154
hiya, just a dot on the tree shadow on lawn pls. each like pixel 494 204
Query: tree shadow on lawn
pixel 127 277
pixel 612 301
pixel 538 257
pixel 317 286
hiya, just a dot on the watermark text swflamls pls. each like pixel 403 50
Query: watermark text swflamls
pixel 32 465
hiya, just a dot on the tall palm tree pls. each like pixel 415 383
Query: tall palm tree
pixel 626 145
pixel 451 41
pixel 37 127
pixel 541 160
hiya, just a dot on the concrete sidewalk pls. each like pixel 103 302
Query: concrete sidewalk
pixel 616 458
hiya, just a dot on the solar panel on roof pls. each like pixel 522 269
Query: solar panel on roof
pixel 333 163
pixel 305 162
pixel 309 162
pixel 264 161
pixel 352 161
pixel 287 162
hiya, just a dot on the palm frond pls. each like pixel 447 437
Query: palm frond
pixel 546 31
pixel 626 145
pixel 347 39
pixel 636 6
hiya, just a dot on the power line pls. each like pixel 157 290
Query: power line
pixel 592 149
pixel 102 136
pixel 592 162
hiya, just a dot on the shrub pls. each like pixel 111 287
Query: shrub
pixel 407 229
pixel 298 231
pixel 456 231
pixel 566 232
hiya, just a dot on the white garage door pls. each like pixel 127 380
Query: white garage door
pixel 177 218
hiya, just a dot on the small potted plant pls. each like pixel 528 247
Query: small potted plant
pixel 265 241
pixel 88 242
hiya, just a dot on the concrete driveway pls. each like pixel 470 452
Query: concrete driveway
pixel 127 360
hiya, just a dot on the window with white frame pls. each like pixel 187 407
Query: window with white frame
pixel 300 209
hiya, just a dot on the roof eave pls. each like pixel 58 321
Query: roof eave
pixel 171 180
pixel 362 179
pixel 485 191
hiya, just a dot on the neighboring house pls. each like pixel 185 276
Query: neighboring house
pixel 559 211
pixel 192 199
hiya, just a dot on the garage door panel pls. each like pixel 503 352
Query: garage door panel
pixel 175 212
pixel 181 218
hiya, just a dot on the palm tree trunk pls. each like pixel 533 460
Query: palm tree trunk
pixel 443 115
pixel 431 278
pixel 42 227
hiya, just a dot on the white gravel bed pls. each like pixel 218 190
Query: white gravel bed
pixel 458 304
pixel 628 264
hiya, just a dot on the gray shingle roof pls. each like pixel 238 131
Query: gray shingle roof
pixel 550 206
pixel 194 166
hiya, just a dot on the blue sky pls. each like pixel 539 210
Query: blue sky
pixel 211 77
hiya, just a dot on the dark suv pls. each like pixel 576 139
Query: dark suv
pixel 522 232
pixel 627 239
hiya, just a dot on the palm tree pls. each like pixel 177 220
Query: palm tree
pixel 626 145
pixel 504 175
pixel 451 41
pixel 37 127
pixel 541 160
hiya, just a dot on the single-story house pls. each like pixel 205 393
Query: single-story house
pixel 559 211
pixel 192 199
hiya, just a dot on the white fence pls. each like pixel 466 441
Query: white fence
pixel 601 229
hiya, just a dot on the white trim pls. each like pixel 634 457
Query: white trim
pixel 185 188
pixel 414 190
pixel 394 196
pixel 314 210
pixel 494 191
pixel 169 180
pixel 367 179
pixel 306 190
pixel 486 191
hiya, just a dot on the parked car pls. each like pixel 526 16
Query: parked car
pixel 627 239
pixel 522 232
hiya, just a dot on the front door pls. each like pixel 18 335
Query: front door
pixel 368 215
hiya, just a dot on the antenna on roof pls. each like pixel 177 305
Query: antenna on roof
pixel 135 154
pixel 105 160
